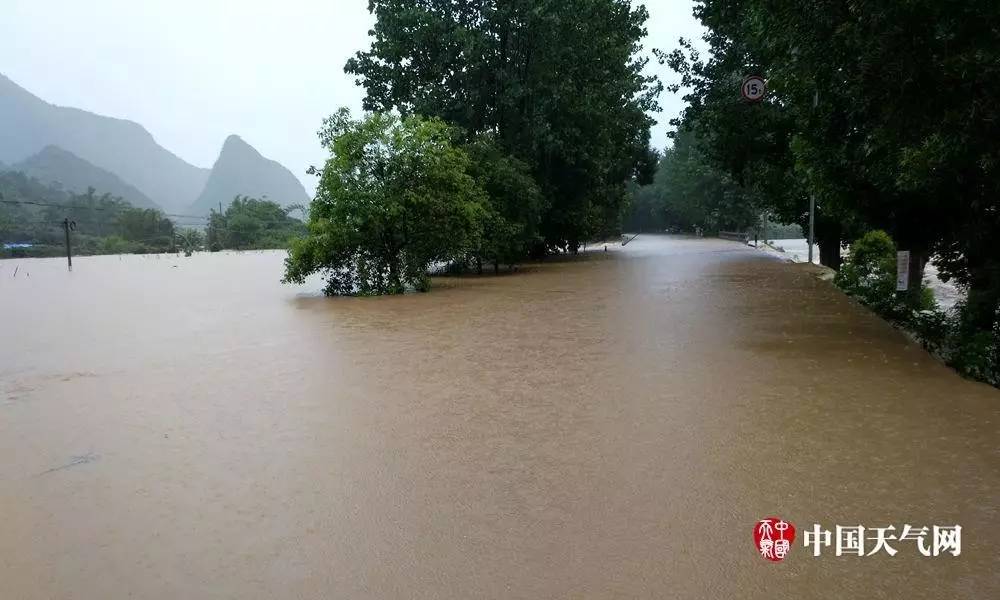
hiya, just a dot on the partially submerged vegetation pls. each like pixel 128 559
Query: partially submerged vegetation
pixel 32 216
pixel 884 115
pixel 869 275
pixel 532 126
pixel 394 197
pixel 252 224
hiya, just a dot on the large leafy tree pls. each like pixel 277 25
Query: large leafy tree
pixel 889 115
pixel 513 205
pixel 559 83
pixel 394 197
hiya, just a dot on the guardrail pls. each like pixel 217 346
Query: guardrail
pixel 735 236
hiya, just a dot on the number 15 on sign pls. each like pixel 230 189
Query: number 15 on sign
pixel 753 88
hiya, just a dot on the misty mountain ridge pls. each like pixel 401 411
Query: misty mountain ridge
pixel 53 165
pixel 126 150
pixel 241 170
pixel 121 147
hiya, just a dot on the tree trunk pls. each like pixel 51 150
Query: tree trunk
pixel 983 300
pixel 918 260
pixel 829 254
pixel 479 265
pixel 829 235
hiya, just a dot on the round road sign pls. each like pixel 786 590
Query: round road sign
pixel 753 88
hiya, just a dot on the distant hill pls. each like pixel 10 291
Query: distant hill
pixel 241 170
pixel 54 165
pixel 28 124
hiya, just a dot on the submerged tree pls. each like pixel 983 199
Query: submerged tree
pixel 513 208
pixel 559 84
pixel 190 240
pixel 251 223
pixel 394 197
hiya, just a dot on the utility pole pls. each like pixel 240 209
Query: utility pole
pixel 67 225
pixel 812 196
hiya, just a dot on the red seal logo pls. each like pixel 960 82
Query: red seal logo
pixel 774 538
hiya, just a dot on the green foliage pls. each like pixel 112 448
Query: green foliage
pixel 115 244
pixel 560 84
pixel 885 113
pixel 955 337
pixel 777 231
pixel 977 355
pixel 690 193
pixel 513 205
pixel 869 275
pixel 190 240
pixel 34 212
pixel 394 197
pixel 645 210
pixel 252 224
pixel 147 226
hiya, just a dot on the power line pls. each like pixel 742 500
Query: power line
pixel 102 208
pixel 123 209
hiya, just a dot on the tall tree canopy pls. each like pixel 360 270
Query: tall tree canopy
pixel 691 193
pixel 559 84
pixel 885 112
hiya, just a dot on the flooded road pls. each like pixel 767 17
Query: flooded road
pixel 604 428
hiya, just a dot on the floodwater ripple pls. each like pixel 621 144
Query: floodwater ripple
pixel 606 427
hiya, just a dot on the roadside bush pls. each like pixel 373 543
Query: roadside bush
pixel 869 275
pixel 932 328
pixel 974 352
pixel 114 244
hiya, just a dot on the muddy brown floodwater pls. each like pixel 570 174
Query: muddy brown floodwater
pixel 604 428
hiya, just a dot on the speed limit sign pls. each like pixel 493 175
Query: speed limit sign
pixel 753 88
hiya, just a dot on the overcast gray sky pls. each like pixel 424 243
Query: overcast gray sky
pixel 194 71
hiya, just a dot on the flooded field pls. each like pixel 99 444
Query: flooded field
pixel 611 427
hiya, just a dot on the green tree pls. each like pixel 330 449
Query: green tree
pixel 115 244
pixel 690 192
pixel 869 274
pixel 190 240
pixel 559 83
pixel 884 112
pixel 146 226
pixel 250 223
pixel 513 207
pixel 394 197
